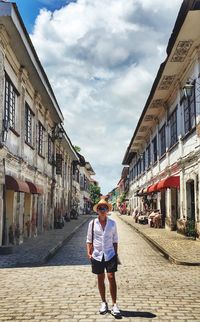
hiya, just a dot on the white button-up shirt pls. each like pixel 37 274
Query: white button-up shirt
pixel 103 239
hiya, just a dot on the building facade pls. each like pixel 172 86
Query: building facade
pixel 82 178
pixel 164 152
pixel 35 152
pixel 86 174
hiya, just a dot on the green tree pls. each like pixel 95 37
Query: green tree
pixel 95 193
pixel 77 148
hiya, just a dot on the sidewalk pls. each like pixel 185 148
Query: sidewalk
pixel 36 251
pixel 175 247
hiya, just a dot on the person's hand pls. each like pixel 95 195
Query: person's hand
pixel 89 256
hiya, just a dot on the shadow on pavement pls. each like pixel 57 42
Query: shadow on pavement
pixel 137 314
pixel 76 259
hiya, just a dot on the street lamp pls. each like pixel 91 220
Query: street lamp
pixel 188 88
pixel 57 132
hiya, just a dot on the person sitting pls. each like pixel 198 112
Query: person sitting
pixel 151 217
pixel 137 213
pixel 157 220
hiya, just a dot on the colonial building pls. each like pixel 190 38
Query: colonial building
pixel 86 174
pixel 81 182
pixel 35 152
pixel 65 155
pixel 114 198
pixel 164 152
pixel 122 188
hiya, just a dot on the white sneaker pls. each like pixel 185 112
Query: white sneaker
pixel 104 308
pixel 115 310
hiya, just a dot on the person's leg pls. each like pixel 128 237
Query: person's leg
pixel 101 286
pixel 113 286
pixel 111 268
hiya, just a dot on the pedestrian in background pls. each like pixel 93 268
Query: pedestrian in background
pixel 102 244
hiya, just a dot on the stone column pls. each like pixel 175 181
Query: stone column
pixel 182 195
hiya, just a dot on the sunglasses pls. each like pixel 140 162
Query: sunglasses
pixel 102 208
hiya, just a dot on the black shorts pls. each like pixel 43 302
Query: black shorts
pixel 99 267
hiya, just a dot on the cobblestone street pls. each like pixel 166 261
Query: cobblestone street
pixel 150 288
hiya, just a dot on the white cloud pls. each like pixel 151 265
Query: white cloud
pixel 101 58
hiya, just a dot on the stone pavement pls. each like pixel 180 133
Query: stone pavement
pixel 150 288
pixel 36 251
pixel 177 248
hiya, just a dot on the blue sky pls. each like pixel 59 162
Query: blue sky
pixel 29 9
pixel 101 57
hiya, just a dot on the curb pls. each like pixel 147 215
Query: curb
pixel 52 251
pixel 166 254
pixel 55 249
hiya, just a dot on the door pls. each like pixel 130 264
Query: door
pixel 10 216
pixel 27 215
pixel 190 200
pixel 190 208
pixel 174 208
pixel 163 207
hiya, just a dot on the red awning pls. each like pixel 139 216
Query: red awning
pixel 34 188
pixel 170 182
pixel 152 188
pixel 16 184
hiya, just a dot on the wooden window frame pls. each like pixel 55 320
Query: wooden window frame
pixel 162 140
pixel 155 149
pixel 173 127
pixel 148 150
pixel 10 99
pixel 134 171
pixel 28 124
pixel 189 108
pixel 50 149
pixel 41 131
pixel 144 161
